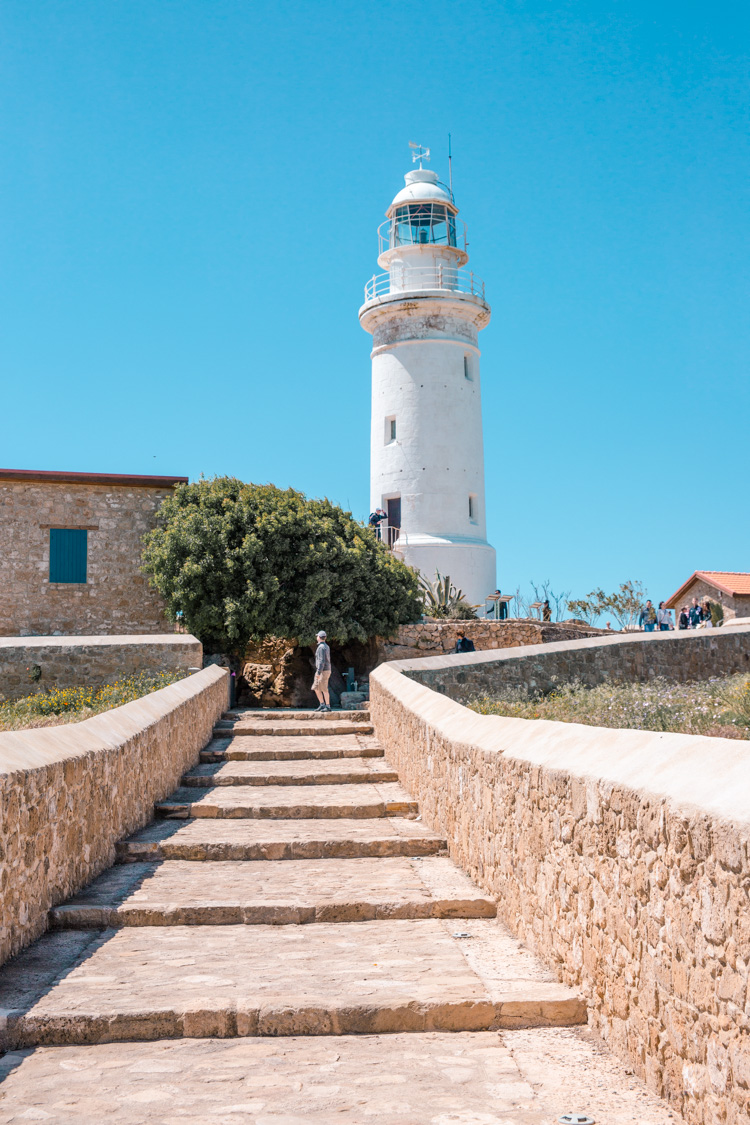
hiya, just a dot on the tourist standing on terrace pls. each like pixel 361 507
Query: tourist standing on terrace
pixel 322 672
pixel 664 618
pixel 375 520
pixel 648 617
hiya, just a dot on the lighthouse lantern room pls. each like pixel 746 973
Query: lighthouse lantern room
pixel 427 458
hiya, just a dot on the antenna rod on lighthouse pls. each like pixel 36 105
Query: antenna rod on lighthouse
pixel 450 168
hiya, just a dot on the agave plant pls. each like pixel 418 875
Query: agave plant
pixel 443 599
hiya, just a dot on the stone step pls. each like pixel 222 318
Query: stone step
pixel 474 1078
pixel 290 801
pixel 223 839
pixel 225 981
pixel 336 726
pixel 342 771
pixel 252 748
pixel 181 893
pixel 293 716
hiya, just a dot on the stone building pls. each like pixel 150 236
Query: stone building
pixel 730 588
pixel 70 551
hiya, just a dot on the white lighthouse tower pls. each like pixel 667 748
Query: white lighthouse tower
pixel 427 456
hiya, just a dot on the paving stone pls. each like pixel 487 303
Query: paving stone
pixel 223 839
pixel 386 799
pixel 174 893
pixel 225 981
pixel 351 771
pixel 437 1078
pixel 255 748
pixel 291 715
pixel 30 974
pixel 268 728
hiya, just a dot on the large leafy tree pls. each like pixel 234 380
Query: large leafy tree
pixel 245 561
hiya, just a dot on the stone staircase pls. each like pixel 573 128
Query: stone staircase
pixel 260 951
pixel 203 926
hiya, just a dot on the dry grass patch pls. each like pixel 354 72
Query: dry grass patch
pixel 718 708
pixel 71 705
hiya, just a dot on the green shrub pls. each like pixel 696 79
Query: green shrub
pixel 237 561
pixel 442 598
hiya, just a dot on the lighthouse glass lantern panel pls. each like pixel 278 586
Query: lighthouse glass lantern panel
pixel 423 224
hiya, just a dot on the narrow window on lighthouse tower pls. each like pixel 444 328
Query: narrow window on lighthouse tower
pixel 467 367
pixel 472 507
pixel 390 429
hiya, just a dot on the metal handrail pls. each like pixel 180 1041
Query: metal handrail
pixel 410 279
pixel 388 533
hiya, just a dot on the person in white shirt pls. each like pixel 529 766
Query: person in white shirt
pixel 664 618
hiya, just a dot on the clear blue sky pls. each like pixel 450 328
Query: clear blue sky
pixel 189 194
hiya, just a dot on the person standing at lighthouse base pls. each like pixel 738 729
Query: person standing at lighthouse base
pixel 322 673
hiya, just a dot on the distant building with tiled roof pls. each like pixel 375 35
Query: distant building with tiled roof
pixel 731 588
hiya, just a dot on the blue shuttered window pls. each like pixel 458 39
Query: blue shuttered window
pixel 67 554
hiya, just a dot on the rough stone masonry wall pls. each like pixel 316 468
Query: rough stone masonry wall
pixel 90 661
pixel 116 597
pixel 677 656
pixel 278 673
pixel 430 638
pixel 621 857
pixel 69 793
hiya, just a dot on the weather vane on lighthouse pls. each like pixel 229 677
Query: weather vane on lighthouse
pixel 419 153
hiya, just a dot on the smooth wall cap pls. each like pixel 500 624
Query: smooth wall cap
pixel 93 640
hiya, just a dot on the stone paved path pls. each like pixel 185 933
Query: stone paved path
pixel 260 950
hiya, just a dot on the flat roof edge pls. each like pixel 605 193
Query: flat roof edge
pixel 47 477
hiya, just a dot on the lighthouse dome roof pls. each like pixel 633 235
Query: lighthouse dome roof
pixel 422 186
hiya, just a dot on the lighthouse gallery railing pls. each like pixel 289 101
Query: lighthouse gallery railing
pixel 415 279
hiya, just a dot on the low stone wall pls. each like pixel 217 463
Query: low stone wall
pixel 621 857
pixel 677 656
pixel 433 638
pixel 78 661
pixel 278 672
pixel 69 793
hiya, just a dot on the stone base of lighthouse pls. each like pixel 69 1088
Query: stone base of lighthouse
pixel 470 563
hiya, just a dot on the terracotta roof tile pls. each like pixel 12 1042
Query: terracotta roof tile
pixel 728 581
pixel 733 581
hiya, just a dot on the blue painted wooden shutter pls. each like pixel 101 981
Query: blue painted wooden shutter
pixel 67 554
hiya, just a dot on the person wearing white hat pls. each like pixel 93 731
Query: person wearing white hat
pixel 322 672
